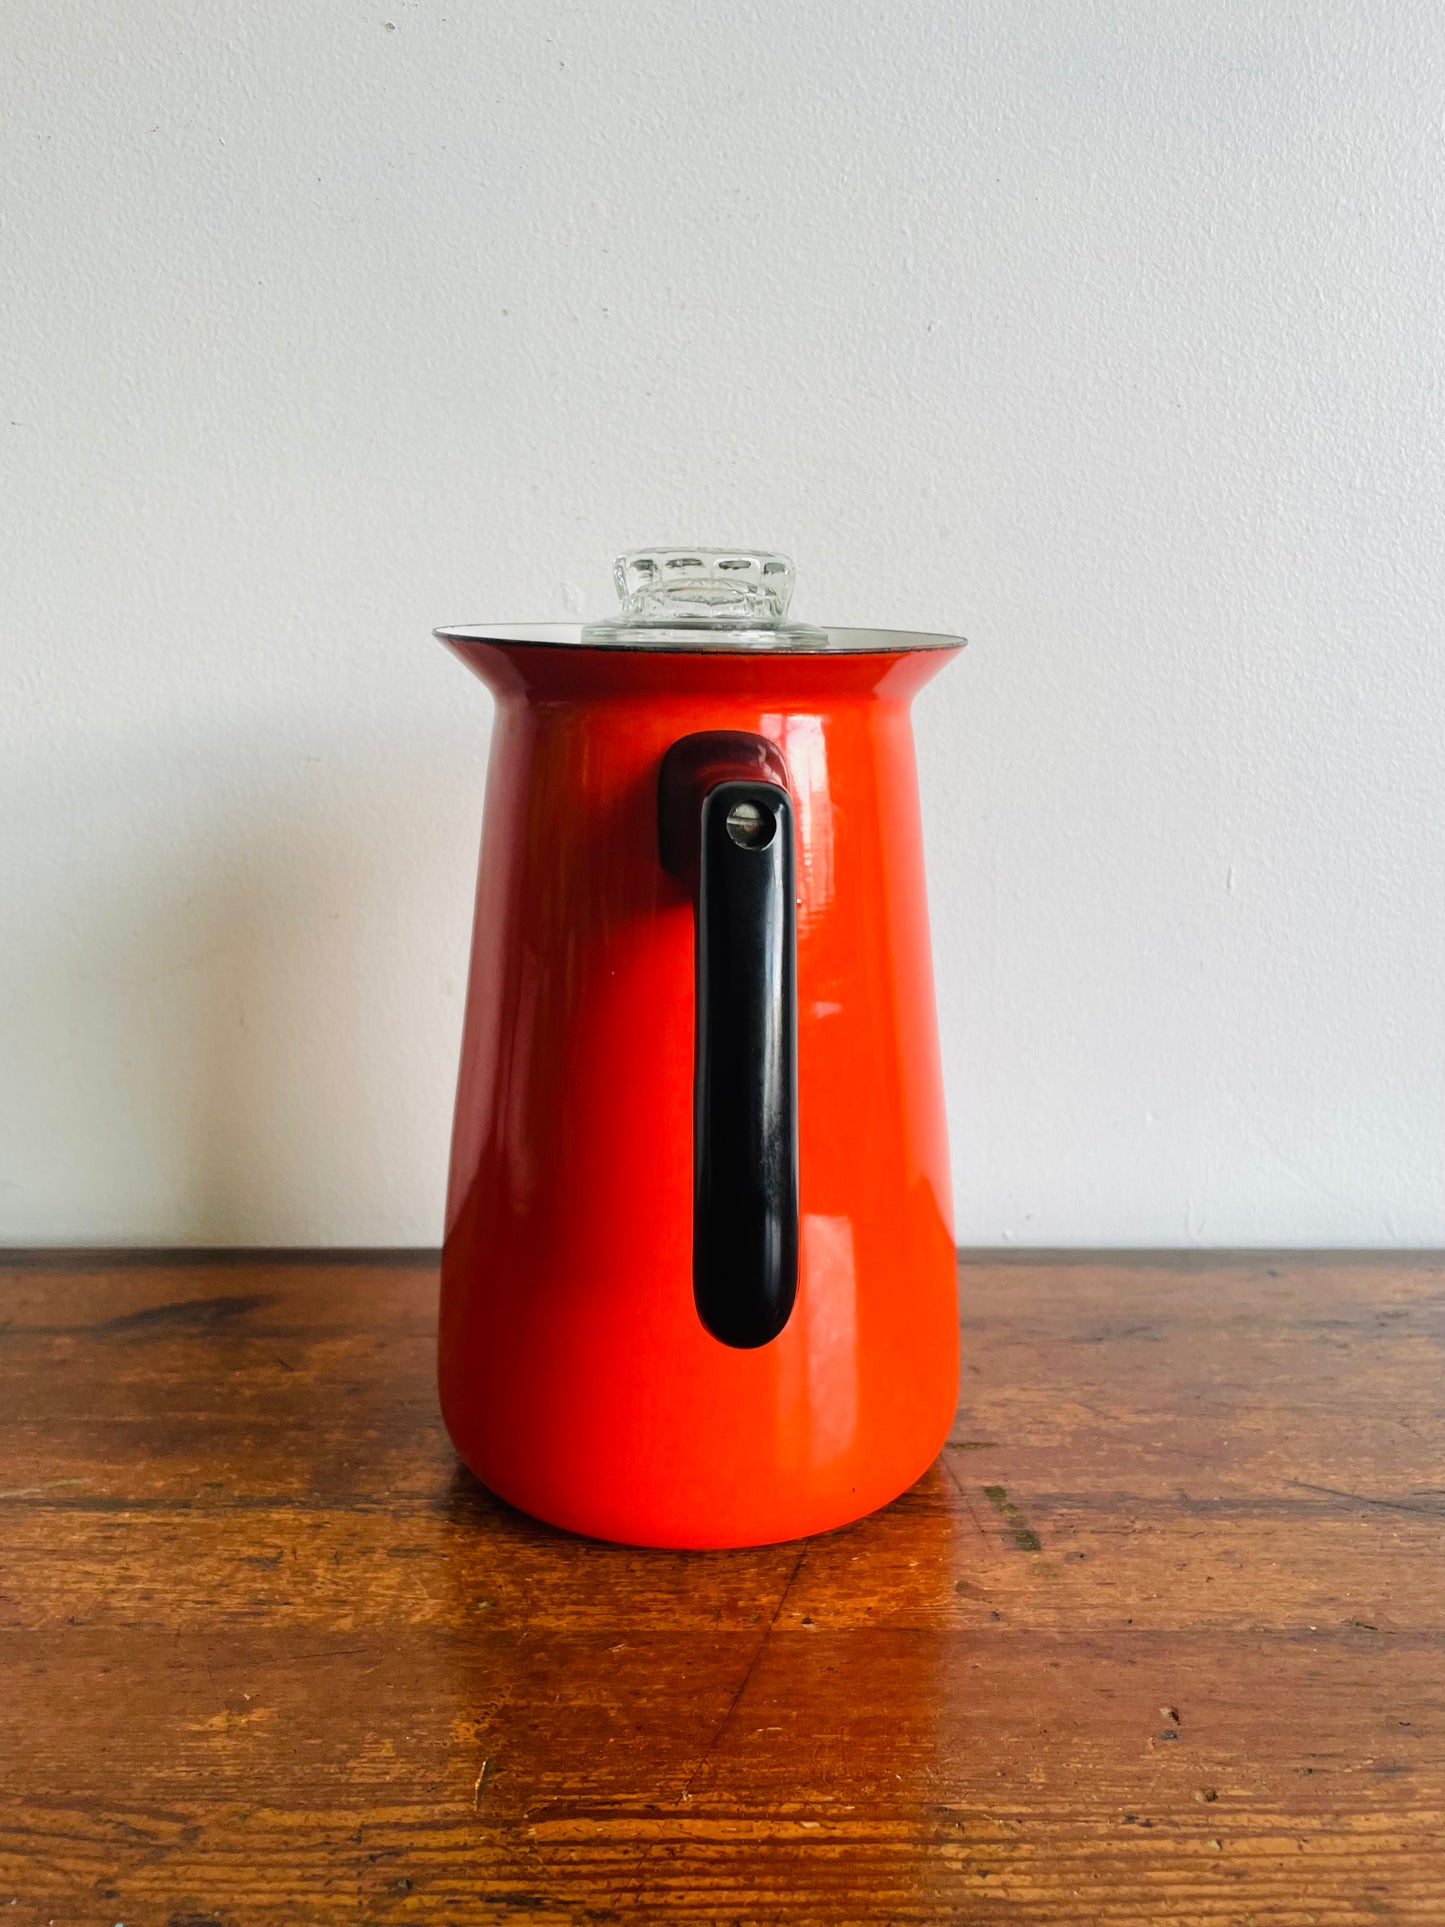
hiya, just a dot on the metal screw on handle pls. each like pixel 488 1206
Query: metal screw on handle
pixel 749 827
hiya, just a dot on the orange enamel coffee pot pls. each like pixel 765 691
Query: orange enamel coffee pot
pixel 698 1275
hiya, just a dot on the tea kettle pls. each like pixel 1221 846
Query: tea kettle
pixel 698 1276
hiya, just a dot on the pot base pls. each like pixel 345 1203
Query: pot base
pixel 607 1522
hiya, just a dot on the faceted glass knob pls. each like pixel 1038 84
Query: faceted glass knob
pixel 704 585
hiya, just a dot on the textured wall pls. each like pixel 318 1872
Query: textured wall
pixel 1109 335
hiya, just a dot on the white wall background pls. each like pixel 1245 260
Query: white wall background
pixel 1109 334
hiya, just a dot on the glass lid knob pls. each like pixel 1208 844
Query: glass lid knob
pixel 748 586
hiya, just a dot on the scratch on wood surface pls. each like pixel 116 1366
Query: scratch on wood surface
pixel 483 1782
pixel 686 1794
pixel 768 1632
pixel 38 1491
pixel 962 1492
pixel 1432 1509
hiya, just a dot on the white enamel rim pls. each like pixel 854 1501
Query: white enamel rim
pixel 710 642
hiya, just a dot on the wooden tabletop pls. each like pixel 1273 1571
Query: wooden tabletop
pixel 1158 1640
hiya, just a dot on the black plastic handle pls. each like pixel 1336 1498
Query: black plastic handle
pixel 727 826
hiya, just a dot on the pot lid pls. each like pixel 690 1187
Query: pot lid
pixel 686 600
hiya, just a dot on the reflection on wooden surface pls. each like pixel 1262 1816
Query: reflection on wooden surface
pixel 1158 1640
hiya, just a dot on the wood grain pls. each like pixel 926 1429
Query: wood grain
pixel 1160 1639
